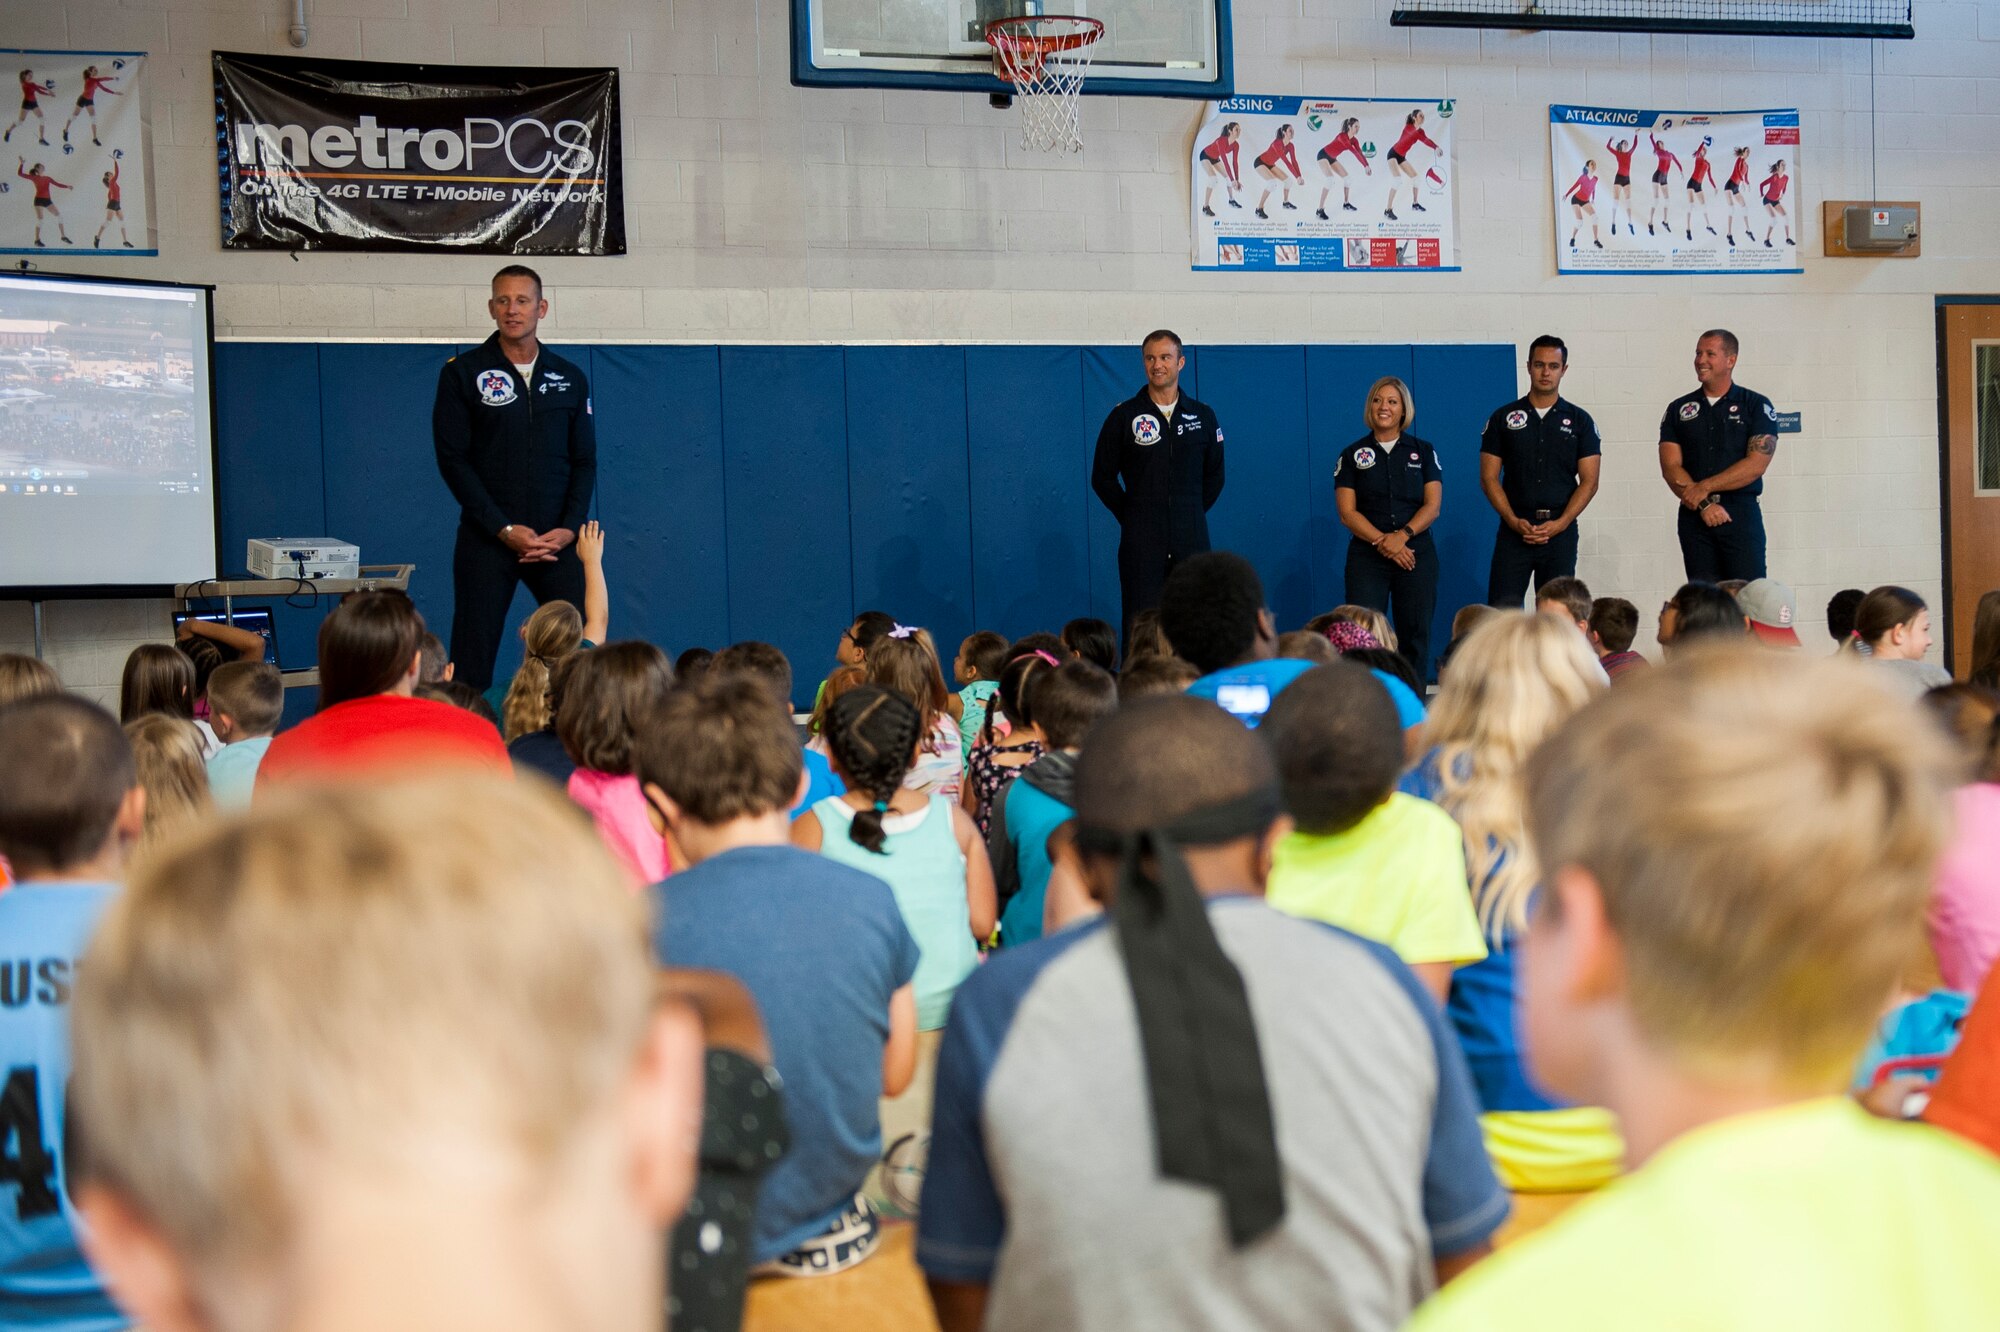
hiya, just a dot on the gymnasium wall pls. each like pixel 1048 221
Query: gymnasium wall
pixel 773 492
pixel 764 213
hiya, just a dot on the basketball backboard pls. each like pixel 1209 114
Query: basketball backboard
pixel 1150 48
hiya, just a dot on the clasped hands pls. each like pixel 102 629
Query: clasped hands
pixel 1538 534
pixel 1395 548
pixel 536 547
pixel 1693 493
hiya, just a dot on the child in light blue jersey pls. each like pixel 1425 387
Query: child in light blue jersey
pixel 246 700
pixel 71 811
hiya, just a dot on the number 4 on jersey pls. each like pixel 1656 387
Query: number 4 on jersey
pixel 25 1159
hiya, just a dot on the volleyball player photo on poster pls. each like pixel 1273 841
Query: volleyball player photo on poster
pixel 74 155
pixel 1675 191
pixel 1326 184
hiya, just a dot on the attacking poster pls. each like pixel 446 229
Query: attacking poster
pixel 1323 184
pixel 348 155
pixel 1675 191
pixel 81 150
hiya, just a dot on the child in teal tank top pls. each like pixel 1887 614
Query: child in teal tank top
pixel 925 848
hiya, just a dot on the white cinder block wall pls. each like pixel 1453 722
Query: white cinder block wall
pixel 759 211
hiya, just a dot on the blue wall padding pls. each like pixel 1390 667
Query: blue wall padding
pixel 1031 502
pixel 785 456
pixel 772 492
pixel 1449 409
pixel 660 493
pixel 1260 396
pixel 908 486
pixel 268 464
pixel 383 492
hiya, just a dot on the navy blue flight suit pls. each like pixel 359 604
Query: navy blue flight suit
pixel 1159 478
pixel 512 452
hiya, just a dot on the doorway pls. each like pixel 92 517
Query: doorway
pixel 1968 462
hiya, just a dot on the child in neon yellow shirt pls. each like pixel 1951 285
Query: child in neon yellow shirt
pixel 1386 866
pixel 1736 851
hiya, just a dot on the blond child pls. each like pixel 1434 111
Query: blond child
pixel 381 1099
pixel 168 752
pixel 1727 908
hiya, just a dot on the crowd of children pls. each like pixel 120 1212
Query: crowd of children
pixel 1232 979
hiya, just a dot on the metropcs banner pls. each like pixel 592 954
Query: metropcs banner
pixel 78 135
pixel 1325 184
pixel 346 155
pixel 1675 191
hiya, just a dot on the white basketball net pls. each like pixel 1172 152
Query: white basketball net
pixel 1046 57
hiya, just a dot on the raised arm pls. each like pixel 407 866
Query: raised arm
pixel 596 594
pixel 245 645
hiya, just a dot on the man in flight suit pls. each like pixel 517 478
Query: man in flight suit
pixel 517 444
pixel 1538 462
pixel 1158 469
pixel 1715 445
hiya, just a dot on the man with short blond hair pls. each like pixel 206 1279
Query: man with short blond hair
pixel 517 444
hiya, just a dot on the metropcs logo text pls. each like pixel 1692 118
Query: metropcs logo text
pixel 532 147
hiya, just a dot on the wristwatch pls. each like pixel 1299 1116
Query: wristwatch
pixel 1706 500
pixel 1406 530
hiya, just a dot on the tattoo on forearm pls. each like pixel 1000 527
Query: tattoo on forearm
pixel 1764 444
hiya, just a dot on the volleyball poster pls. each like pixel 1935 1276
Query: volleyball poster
pixel 1325 184
pixel 73 155
pixel 1676 191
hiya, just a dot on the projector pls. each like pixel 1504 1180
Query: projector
pixel 304 557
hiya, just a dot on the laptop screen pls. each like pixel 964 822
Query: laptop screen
pixel 257 619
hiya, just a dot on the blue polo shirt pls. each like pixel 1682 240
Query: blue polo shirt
pixel 1246 691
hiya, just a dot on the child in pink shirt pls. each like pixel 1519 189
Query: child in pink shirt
pixel 608 690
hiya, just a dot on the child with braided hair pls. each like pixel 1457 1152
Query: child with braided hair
pixel 929 853
pixel 924 847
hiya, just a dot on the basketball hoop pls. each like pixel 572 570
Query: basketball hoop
pixel 1045 57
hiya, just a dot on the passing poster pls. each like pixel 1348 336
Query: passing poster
pixel 1325 184
pixel 73 178
pixel 1675 191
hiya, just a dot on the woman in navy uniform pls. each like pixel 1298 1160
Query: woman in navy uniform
pixel 1389 489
